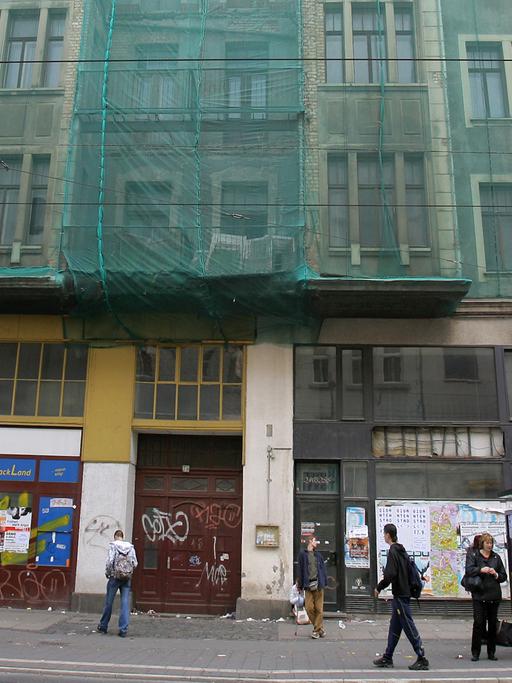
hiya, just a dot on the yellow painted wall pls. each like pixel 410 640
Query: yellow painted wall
pixel 109 404
pixel 31 327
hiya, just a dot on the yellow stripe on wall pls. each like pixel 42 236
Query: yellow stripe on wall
pixel 109 405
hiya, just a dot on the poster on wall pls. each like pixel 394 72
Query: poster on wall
pixel 357 544
pixel 437 535
pixel 15 523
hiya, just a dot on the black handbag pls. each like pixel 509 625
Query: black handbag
pixel 472 584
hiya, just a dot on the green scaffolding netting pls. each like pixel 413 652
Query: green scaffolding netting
pixel 186 158
pixel 212 172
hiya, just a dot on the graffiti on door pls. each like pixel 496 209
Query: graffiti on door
pixel 32 586
pixel 213 515
pixel 160 525
pixel 215 574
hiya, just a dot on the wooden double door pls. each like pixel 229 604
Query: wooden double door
pixel 187 535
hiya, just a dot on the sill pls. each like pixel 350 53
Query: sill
pixel 20 92
pixel 32 249
pixel 496 273
pixel 372 86
pixel 343 251
pixel 392 385
pixel 29 420
pixel 156 425
pixel 498 121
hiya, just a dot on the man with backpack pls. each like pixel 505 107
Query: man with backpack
pixel 121 561
pixel 403 575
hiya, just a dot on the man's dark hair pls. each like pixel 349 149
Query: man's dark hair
pixel 391 530
pixel 118 534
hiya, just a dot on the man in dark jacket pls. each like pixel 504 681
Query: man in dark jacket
pixel 313 580
pixel 396 573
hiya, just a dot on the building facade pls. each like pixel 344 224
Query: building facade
pixel 243 299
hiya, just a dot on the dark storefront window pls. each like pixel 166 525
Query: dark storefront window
pixel 508 373
pixel 434 384
pixel 315 382
pixel 317 478
pixel 428 480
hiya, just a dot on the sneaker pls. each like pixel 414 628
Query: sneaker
pixel 421 664
pixel 322 633
pixel 100 629
pixel 315 634
pixel 383 663
pixel 122 634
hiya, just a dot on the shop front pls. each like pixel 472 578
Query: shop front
pixel 40 477
pixel 426 452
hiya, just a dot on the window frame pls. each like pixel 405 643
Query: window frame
pixel 483 71
pixel 485 273
pixel 505 42
pixel 23 65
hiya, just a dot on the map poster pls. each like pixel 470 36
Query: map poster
pixel 436 534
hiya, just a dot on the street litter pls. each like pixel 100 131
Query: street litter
pixel 281 619
pixel 342 624
pixel 49 609
pixel 458 657
pixel 189 617
pixel 250 619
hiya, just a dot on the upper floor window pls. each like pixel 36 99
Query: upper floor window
pixel 334 44
pixel 246 80
pixel 378 222
pixel 42 379
pixel 244 209
pixel 338 201
pixel 404 32
pixel 26 44
pixel 366 42
pixel 39 190
pixel 487 81
pixel 9 192
pixel 14 196
pixel 54 49
pixel 21 49
pixel 369 36
pixel 496 207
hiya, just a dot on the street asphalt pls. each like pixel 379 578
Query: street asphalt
pixel 50 646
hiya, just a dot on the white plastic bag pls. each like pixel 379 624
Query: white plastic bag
pixel 301 617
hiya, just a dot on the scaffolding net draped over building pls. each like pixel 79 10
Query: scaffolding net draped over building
pixel 186 158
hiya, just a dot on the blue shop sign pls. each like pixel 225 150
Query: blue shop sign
pixel 59 470
pixel 17 469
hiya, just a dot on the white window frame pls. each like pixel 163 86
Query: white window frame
pixel 476 180
pixel 505 41
pixel 347 40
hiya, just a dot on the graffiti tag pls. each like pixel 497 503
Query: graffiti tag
pixel 212 516
pixel 160 526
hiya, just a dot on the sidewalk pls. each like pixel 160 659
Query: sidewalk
pixel 183 648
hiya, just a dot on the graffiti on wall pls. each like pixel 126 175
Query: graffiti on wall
pixel 213 515
pixel 99 531
pixel 32 586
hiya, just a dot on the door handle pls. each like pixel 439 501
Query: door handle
pixel 168 562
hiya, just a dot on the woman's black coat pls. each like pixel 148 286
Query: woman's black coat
pixel 491 589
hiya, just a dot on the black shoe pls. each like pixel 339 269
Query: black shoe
pixel 421 664
pixel 475 658
pixel 100 629
pixel 122 634
pixel 492 657
pixel 383 663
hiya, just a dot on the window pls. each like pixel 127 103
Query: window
pixel 352 407
pixel 159 84
pixel 333 45
pixel 9 191
pixel 39 191
pixel 427 393
pixel 406 65
pixel 197 382
pixel 317 478
pixel 315 382
pixel 392 364
pixel 21 49
pixel 54 49
pixel 496 208
pixel 246 80
pixel 147 210
pixel 244 209
pixel 460 365
pixel 369 36
pixel 508 377
pixel 438 442
pixel 376 201
pixel 42 379
pixel 487 81
pixel 417 221
pixel 338 201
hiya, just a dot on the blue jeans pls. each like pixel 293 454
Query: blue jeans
pixel 124 615
pixel 401 620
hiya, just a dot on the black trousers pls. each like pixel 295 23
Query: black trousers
pixel 484 612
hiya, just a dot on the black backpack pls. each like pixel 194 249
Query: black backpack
pixel 416 578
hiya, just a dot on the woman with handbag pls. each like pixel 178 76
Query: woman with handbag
pixel 487 566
